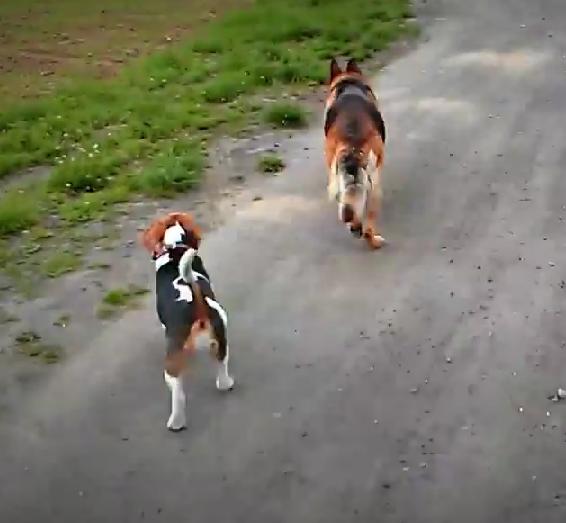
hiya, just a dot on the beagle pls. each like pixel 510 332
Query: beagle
pixel 186 305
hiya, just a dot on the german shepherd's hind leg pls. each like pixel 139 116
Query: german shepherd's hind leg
pixel 219 347
pixel 370 229
pixel 173 374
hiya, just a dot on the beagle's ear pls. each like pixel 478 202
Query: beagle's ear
pixel 352 67
pixel 152 237
pixel 194 234
pixel 334 70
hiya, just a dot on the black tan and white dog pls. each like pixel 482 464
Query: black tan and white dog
pixel 186 305
pixel 354 148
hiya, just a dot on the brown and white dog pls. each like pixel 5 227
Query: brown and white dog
pixel 186 305
pixel 354 147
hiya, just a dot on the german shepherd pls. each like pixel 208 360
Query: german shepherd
pixel 354 147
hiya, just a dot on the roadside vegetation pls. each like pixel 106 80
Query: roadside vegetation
pixel 270 164
pixel 119 299
pixel 144 131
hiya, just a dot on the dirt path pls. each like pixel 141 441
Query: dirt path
pixel 407 385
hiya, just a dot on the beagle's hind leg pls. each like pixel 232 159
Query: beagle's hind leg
pixel 219 346
pixel 173 374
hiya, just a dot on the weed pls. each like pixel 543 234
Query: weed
pixel 28 337
pixel 92 206
pixel 225 88
pixel 99 266
pixel 62 321
pixel 51 353
pixel 30 349
pixel 286 115
pixel 174 170
pixel 61 263
pixel 119 299
pixel 7 317
pixel 29 343
pixel 270 163
pixel 19 210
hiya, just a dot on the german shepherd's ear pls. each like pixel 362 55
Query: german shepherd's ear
pixel 352 67
pixel 334 70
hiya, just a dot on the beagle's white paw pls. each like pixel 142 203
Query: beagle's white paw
pixel 224 382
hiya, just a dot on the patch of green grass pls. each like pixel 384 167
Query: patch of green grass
pixel 91 206
pixel 176 169
pixel 144 131
pixel 116 300
pixel 6 317
pixel 61 263
pixel 29 343
pixel 285 115
pixel 19 210
pixel 225 88
pixel 51 354
pixel 62 321
pixel 28 337
pixel 99 266
pixel 270 163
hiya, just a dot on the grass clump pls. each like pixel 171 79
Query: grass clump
pixel 7 317
pixel 62 321
pixel 19 210
pixel 270 164
pixel 119 299
pixel 174 170
pixel 285 115
pixel 61 263
pixel 92 206
pixel 29 343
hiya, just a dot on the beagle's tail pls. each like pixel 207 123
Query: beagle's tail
pixel 186 266
pixel 186 272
